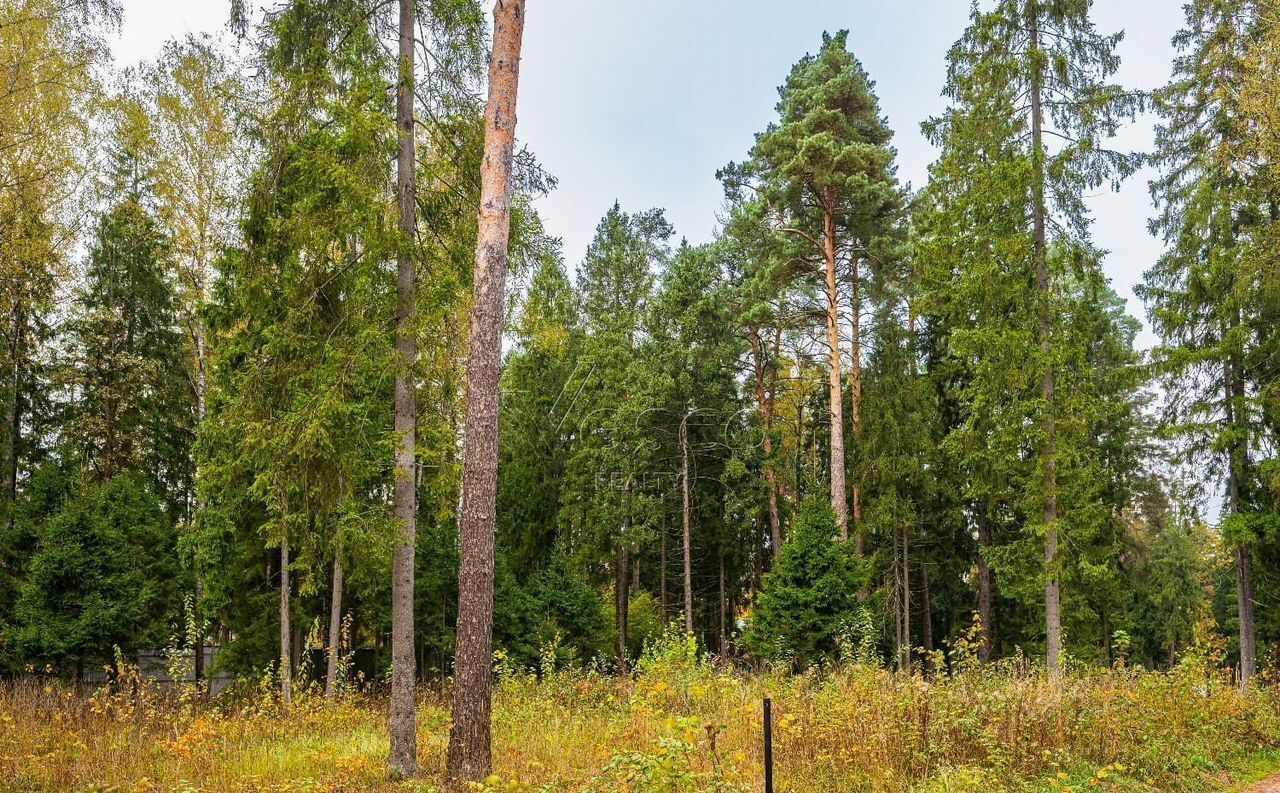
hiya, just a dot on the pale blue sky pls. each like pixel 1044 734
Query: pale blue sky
pixel 642 101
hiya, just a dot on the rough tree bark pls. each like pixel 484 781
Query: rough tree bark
pixel 986 593
pixel 621 602
pixel 1243 561
pixel 470 752
pixel 335 631
pixel 1052 590
pixel 835 396
pixel 403 760
pixel 286 635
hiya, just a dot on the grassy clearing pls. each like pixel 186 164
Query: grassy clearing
pixel 679 725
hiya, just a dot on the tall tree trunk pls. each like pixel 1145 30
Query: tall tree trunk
pixel 403 760
pixel 724 621
pixel 14 419
pixel 986 592
pixel 764 400
pixel 621 601
pixel 202 390
pixel 896 584
pixel 906 599
pixel 335 631
pixel 855 389
pixel 1248 633
pixel 662 564
pixel 926 618
pixel 1235 505
pixel 286 635
pixel 838 502
pixel 628 581
pixel 1052 591
pixel 470 752
pixel 197 641
pixel 686 521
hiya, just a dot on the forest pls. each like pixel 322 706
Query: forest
pixel 302 402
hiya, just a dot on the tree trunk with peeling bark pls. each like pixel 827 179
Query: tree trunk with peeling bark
pixel 202 390
pixel 470 756
pixel 403 761
pixel 838 498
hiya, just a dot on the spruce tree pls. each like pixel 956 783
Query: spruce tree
pixel 615 286
pixel 1024 138
pixel 300 409
pixel 1205 295
pixel 50 52
pixel 809 600
pixel 134 404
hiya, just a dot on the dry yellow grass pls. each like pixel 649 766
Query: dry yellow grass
pixel 679 725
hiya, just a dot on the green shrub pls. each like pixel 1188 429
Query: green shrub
pixel 809 596
pixel 101 576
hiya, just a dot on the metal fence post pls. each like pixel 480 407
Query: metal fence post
pixel 768 745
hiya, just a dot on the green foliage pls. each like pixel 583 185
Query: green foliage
pixel 100 577
pixel 1207 295
pixel 644 623
pixel 656 370
pixel 556 609
pixel 540 376
pixel 134 407
pixel 669 767
pixel 300 403
pixel 829 152
pixel 809 595
pixel 1033 351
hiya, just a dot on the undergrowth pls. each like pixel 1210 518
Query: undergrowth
pixel 681 723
